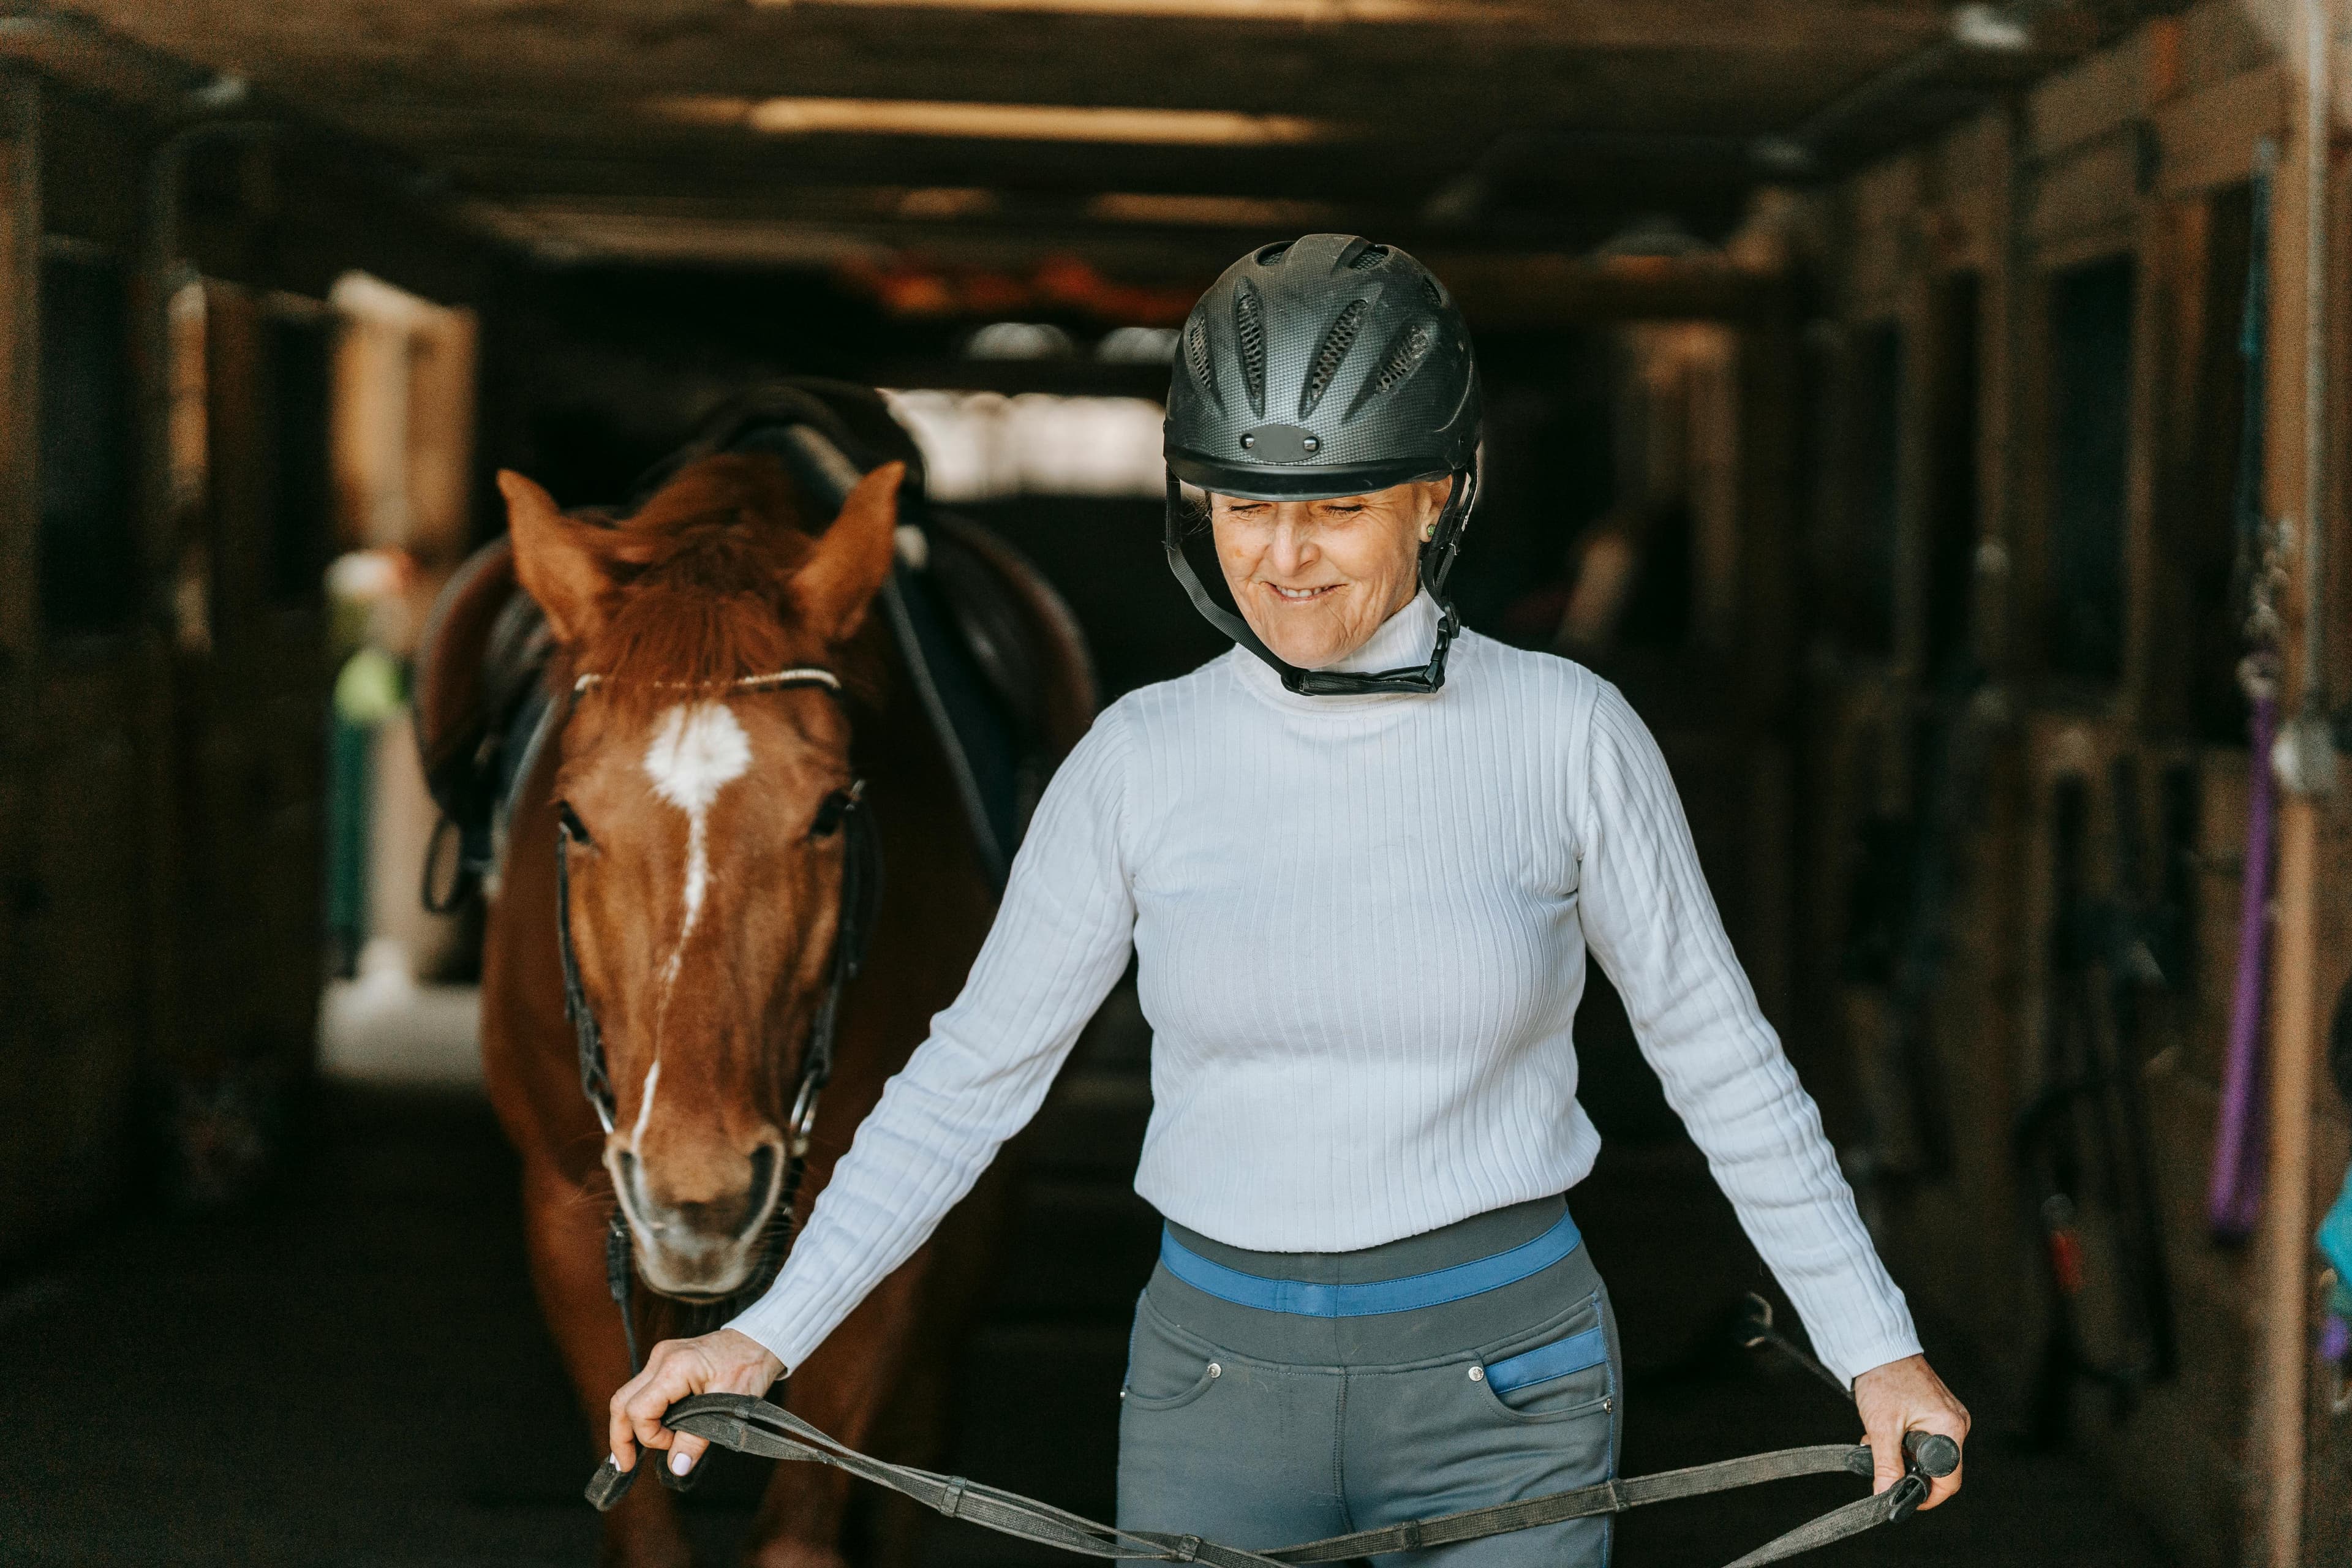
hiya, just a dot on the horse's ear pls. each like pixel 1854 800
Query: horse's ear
pixel 841 576
pixel 564 563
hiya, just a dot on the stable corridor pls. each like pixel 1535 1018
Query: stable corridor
pixel 354 1374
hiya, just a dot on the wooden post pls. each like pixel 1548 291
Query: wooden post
pixel 2296 493
pixel 20 287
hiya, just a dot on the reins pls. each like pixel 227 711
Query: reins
pixel 845 812
pixel 753 1426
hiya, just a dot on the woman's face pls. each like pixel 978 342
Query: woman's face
pixel 1315 579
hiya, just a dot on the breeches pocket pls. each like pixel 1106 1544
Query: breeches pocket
pixel 1167 1368
pixel 1556 1373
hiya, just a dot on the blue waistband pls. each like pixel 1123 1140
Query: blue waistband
pixel 1306 1300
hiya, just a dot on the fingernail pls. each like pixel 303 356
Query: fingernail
pixel 679 1463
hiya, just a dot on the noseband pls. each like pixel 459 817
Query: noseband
pixel 842 811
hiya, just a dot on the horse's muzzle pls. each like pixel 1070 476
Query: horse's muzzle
pixel 699 1242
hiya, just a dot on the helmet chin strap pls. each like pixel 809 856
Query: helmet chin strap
pixel 1437 555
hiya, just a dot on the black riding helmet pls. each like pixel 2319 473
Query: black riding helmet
pixel 1320 367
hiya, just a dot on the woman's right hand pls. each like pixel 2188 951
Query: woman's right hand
pixel 721 1362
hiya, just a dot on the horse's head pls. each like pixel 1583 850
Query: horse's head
pixel 705 862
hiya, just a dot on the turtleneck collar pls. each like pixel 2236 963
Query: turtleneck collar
pixel 1403 642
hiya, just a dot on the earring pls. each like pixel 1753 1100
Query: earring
pixel 1428 532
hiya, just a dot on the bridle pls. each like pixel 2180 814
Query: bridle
pixel 842 811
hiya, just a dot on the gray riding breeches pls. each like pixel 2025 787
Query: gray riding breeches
pixel 1260 1427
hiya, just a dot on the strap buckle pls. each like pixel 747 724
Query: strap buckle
pixel 803 1121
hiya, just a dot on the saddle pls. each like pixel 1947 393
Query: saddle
pixel 988 647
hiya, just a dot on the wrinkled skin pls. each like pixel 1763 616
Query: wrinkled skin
pixel 1315 579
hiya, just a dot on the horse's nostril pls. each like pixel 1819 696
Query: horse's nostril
pixel 764 1167
pixel 625 1176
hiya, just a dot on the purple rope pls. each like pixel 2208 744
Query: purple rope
pixel 2234 1200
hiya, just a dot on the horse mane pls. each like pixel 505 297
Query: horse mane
pixel 700 597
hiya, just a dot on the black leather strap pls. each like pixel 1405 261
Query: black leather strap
pixel 754 1425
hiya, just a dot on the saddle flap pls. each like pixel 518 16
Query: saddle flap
pixel 452 679
pixel 479 667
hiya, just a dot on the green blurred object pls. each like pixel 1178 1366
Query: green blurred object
pixel 370 688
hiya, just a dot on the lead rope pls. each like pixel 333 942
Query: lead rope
pixel 752 1426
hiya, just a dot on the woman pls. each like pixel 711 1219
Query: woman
pixel 1361 887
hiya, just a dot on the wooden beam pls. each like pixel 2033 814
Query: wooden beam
pixel 435 34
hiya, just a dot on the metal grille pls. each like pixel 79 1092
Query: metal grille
pixel 1404 356
pixel 1332 355
pixel 1196 355
pixel 1249 329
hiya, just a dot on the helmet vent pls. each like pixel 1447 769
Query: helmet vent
pixel 1196 355
pixel 1331 356
pixel 1431 292
pixel 1372 256
pixel 1274 253
pixel 1405 356
pixel 1249 328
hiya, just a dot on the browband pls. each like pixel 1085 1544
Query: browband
pixel 804 675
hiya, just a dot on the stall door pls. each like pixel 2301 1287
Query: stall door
pixel 248 738
pixel 82 684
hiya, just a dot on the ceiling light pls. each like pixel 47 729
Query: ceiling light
pixel 1017 122
pixel 1996 29
pixel 1018 339
pixel 1651 237
pixel 1136 345
pixel 1234 212
pixel 943 202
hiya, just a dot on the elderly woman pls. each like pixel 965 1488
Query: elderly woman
pixel 1361 879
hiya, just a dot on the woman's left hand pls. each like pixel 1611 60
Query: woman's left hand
pixel 1908 1397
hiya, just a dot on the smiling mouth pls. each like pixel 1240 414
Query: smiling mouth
pixel 1301 596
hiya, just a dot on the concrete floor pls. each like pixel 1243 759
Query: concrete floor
pixel 353 1371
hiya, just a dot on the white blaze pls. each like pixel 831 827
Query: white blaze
pixel 645 1104
pixel 699 748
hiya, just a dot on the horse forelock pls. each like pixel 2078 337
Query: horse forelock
pixel 705 601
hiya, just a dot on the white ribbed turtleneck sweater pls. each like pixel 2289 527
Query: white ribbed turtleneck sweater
pixel 1361 925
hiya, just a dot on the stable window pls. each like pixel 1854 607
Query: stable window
pixel 2089 457
pixel 83 444
pixel 300 352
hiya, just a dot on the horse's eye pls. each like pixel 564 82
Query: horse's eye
pixel 568 822
pixel 835 810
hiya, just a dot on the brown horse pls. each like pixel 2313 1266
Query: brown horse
pixel 704 888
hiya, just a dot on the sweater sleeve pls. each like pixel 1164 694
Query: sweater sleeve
pixel 1059 943
pixel 1649 918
